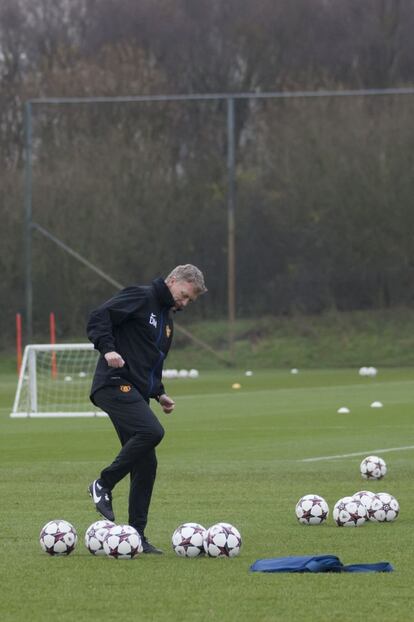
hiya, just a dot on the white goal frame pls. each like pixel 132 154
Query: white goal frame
pixel 28 380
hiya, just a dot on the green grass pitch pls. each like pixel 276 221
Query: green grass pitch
pixel 228 455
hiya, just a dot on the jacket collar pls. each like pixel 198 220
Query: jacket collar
pixel 163 293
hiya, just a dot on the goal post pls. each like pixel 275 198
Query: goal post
pixel 55 380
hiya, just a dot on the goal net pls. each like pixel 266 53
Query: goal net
pixel 55 380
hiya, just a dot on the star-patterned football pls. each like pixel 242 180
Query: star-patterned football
pixel 58 537
pixel 384 508
pixel 349 512
pixel 373 467
pixel 222 540
pixel 366 497
pixel 187 540
pixel 311 510
pixel 122 542
pixel 95 535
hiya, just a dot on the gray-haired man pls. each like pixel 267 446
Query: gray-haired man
pixel 133 333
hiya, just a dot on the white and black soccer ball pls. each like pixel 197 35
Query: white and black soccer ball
pixel 311 510
pixel 349 512
pixel 58 537
pixel 384 508
pixel 222 540
pixel 95 535
pixel 366 497
pixel 122 542
pixel 187 540
pixel 373 467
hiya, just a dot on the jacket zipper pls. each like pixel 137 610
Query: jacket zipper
pixel 160 358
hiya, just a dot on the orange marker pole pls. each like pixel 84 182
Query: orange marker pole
pixel 19 341
pixel 52 325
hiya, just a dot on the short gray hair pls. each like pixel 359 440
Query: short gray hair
pixel 190 274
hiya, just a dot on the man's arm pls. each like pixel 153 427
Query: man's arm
pixel 114 359
pixel 167 404
pixel 112 313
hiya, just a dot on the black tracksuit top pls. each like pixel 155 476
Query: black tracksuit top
pixel 136 324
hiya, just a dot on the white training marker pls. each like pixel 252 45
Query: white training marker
pixel 248 373
pixel 368 371
pixel 343 410
pixel 294 370
pixel 376 405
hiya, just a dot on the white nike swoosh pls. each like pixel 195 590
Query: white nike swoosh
pixel 96 499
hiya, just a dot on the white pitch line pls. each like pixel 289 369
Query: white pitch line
pixel 374 452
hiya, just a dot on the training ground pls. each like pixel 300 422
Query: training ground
pixel 243 456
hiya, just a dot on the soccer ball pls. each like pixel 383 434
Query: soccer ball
pixel 311 510
pixel 58 537
pixel 366 497
pixel 95 535
pixel 384 508
pixel 373 467
pixel 349 512
pixel 122 542
pixel 222 540
pixel 187 540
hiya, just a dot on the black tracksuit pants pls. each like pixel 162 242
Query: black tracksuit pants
pixel 140 432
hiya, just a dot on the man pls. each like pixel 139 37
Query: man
pixel 133 333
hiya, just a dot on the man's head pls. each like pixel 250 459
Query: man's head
pixel 185 283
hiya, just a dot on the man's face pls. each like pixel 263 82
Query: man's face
pixel 182 292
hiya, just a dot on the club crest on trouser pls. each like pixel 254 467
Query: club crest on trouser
pixel 125 388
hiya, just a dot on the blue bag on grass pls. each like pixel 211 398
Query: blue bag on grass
pixel 315 563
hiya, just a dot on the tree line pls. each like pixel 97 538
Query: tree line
pixel 324 214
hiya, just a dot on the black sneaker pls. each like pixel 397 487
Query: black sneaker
pixel 102 498
pixel 147 547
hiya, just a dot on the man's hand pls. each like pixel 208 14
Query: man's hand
pixel 114 359
pixel 167 404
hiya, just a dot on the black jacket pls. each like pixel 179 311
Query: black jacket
pixel 136 323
